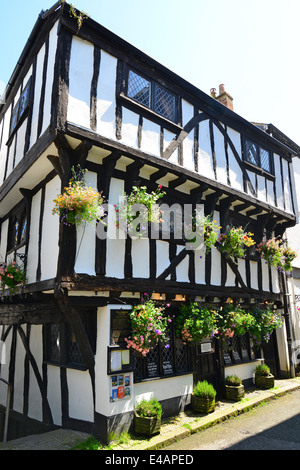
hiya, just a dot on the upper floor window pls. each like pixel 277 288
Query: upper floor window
pixel 17 233
pixel 21 107
pixel 258 156
pixel 152 95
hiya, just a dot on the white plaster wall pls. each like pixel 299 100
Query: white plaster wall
pixel 130 123
pixel 150 138
pixel 261 188
pixel 50 77
pixel 162 257
pixel 3 240
pixel 220 156
pixel 50 232
pixel 80 79
pixel 54 393
pixel 235 172
pixel 4 370
pixel 182 270
pixel 35 407
pixel 3 147
pixel 20 143
pixel 18 396
pixel 140 258
pixel 205 164
pixel 80 395
pixel 32 258
pixel 188 143
pixel 86 238
pixel 284 362
pixel 106 96
pixel 253 275
pixel 115 246
pixel 167 139
pixel 164 389
pixel 243 371
pixel 37 94
pixel 265 276
pixel 287 187
pixel 216 259
pixel 279 192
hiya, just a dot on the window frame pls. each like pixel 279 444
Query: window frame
pixel 19 113
pixel 64 333
pixel 154 84
pixel 17 239
pixel 257 165
pixel 228 352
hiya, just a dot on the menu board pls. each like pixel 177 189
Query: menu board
pixel 120 326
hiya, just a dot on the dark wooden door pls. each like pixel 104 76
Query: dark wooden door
pixel 205 363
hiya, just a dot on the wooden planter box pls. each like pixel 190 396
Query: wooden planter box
pixel 264 381
pixel 146 426
pixel 203 405
pixel 234 393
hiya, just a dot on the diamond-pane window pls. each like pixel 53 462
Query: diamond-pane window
pixel 139 89
pixel 251 153
pixel 164 103
pixel 265 159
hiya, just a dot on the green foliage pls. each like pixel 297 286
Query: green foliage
pixel 203 389
pixel 233 380
pixel 195 323
pixel 262 369
pixel 265 322
pixel 234 241
pixel 277 254
pixel 149 408
pixel 11 276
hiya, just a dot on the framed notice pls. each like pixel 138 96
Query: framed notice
pixel 118 360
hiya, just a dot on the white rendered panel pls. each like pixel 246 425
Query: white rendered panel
pixel 32 259
pixel 106 96
pixel 37 95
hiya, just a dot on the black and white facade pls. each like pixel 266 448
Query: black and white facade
pixel 87 97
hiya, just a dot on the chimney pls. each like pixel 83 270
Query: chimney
pixel 224 97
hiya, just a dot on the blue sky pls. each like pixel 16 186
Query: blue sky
pixel 252 46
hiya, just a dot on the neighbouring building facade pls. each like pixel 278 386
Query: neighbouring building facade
pixel 86 97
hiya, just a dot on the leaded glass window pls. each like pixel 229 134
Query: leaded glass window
pixel 152 95
pixel 258 156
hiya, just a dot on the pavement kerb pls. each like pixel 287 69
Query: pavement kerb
pixel 180 432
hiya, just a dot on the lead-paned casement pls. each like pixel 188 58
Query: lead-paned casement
pixel 162 361
pixel 258 156
pixel 238 349
pixel 61 345
pixel 152 95
pixel 21 107
pixel 17 232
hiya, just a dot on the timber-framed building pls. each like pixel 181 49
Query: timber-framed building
pixel 86 97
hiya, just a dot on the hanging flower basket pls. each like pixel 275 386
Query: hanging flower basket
pixel 79 203
pixel 11 276
pixel 234 241
pixel 277 253
pixel 138 209
pixel 149 326
pixel 195 323
pixel 206 229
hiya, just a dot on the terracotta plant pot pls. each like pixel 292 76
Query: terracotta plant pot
pixel 202 405
pixel 147 426
pixel 234 393
pixel 264 381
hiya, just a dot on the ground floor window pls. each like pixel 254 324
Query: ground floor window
pixel 162 361
pixel 61 346
pixel 239 349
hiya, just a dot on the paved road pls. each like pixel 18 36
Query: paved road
pixel 273 426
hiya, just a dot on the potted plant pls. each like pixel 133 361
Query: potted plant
pixel 277 253
pixel 263 377
pixel 147 417
pixel 79 203
pixel 234 388
pixel 11 276
pixel 207 228
pixel 203 397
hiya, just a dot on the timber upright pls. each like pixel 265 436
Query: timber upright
pixel 84 98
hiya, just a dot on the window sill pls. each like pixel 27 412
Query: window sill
pixel 259 171
pixel 149 114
